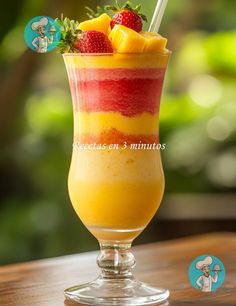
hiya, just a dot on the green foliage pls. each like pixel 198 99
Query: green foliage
pixel 197 123
pixel 224 58
pixel 93 14
pixel 69 34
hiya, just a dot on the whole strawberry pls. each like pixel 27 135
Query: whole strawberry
pixel 129 19
pixel 128 16
pixel 93 42
pixel 73 40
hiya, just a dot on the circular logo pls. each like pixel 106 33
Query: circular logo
pixel 42 34
pixel 207 273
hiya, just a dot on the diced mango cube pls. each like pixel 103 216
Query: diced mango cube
pixel 126 40
pixel 154 42
pixel 101 24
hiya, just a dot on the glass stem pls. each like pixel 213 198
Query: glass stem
pixel 116 260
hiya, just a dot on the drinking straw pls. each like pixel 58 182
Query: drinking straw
pixel 158 15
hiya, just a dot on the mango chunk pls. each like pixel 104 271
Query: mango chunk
pixel 154 42
pixel 101 24
pixel 125 40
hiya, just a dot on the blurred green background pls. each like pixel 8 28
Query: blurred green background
pixel 198 124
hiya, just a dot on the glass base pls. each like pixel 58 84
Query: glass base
pixel 119 292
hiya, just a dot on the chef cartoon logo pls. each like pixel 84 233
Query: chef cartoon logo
pixel 42 34
pixel 207 273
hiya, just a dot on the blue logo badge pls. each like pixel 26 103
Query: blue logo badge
pixel 207 273
pixel 42 34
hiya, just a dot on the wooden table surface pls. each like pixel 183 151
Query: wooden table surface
pixel 163 264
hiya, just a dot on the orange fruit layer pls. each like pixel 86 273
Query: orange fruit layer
pixel 114 136
pixel 116 60
pixel 99 122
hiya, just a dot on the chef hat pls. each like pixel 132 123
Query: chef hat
pixel 41 23
pixel 206 262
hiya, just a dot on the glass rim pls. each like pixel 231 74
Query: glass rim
pixel 164 54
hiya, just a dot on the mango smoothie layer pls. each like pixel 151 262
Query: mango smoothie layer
pixel 121 205
pixel 118 60
pixel 116 165
pixel 97 123
pixel 116 189
pixel 114 128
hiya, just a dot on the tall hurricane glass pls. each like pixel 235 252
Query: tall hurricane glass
pixel 116 180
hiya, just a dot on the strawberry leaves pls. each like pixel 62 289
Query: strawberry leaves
pixel 128 5
pixel 69 34
pixel 93 14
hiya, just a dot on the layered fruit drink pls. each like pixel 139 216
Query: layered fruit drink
pixel 116 180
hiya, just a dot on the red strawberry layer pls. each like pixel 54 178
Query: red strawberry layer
pixel 129 92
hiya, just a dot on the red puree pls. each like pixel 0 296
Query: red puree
pixel 127 91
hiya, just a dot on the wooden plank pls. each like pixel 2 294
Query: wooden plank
pixel 197 207
pixel 165 264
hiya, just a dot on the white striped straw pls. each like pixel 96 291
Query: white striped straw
pixel 158 15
